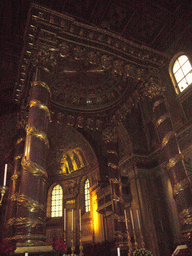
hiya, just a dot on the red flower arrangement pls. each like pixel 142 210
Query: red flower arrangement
pixel 7 246
pixel 59 245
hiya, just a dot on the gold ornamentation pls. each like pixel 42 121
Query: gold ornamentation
pixel 112 152
pixel 43 84
pixel 15 176
pixel 33 168
pixel 115 180
pixel 70 202
pixel 45 57
pixel 18 157
pixel 110 134
pixel 118 67
pixel 79 53
pixel 11 222
pixel 20 140
pixel 106 61
pixel 162 119
pixel 30 204
pixel 180 186
pixel 64 50
pixel 112 165
pixel 157 103
pixel 27 237
pixel 14 197
pixel 173 161
pixel 129 70
pixel 167 137
pixel 153 88
pixel 31 130
pixel 141 73
pixel 186 216
pixel 93 58
pixel 37 103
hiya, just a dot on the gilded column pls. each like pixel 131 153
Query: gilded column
pixel 14 184
pixel 181 185
pixel 31 201
pixel 110 139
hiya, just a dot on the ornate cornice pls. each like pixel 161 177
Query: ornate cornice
pixel 52 37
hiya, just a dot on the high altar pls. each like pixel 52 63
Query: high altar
pixel 100 156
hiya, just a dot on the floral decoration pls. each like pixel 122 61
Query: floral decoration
pixel 142 251
pixel 59 245
pixel 7 246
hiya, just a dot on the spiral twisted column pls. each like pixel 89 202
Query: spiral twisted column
pixel 181 185
pixel 14 184
pixel 110 139
pixel 31 213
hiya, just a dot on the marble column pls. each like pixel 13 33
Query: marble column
pixel 110 139
pixel 31 201
pixel 181 185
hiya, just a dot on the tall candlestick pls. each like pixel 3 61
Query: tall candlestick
pixel 64 219
pixel 126 219
pixel 138 219
pixel 80 219
pixel 132 220
pixel 5 176
pixel 72 221
pixel 118 251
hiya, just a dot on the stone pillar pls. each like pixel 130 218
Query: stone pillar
pixel 31 201
pixel 110 139
pixel 181 185
pixel 14 184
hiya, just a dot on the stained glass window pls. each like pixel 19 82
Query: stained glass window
pixel 87 196
pixel 182 71
pixel 57 201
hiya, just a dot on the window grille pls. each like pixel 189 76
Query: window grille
pixel 57 201
pixel 87 196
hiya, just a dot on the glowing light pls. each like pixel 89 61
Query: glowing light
pixel 95 214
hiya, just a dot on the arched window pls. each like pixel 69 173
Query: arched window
pixel 87 196
pixel 57 201
pixel 181 72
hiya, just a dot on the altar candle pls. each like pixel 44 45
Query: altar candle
pixel 80 219
pixel 5 176
pixel 138 219
pixel 64 219
pixel 132 220
pixel 72 221
pixel 125 219
pixel 118 251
